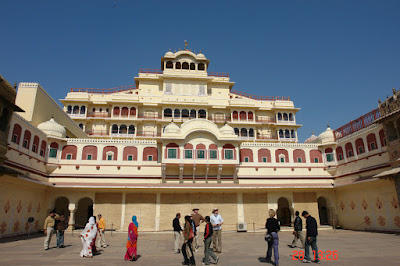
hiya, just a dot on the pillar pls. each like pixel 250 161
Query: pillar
pixel 240 208
pixel 158 211
pixel 122 227
pixel 71 222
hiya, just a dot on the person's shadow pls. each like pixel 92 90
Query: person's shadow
pixel 264 260
pixel 137 258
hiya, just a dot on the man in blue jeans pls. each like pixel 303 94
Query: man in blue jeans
pixel 311 238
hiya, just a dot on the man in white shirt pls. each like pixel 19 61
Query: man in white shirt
pixel 217 221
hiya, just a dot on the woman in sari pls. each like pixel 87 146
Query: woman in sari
pixel 87 236
pixel 187 251
pixel 132 240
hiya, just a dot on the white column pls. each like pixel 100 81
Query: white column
pixel 122 227
pixel 72 210
pixel 158 211
pixel 240 208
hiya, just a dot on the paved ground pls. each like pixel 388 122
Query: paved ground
pixel 353 248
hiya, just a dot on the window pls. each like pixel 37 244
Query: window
pixel 246 159
pixel 168 89
pixel 69 156
pixel 350 154
pixel 202 90
pixel 228 154
pixel 14 138
pixel 282 159
pixel 34 148
pixel 264 159
pixel 360 149
pixel 201 154
pixel 109 157
pixel 316 160
pixel 53 153
pixel 213 154
pixel 188 154
pixel 89 157
pixel 299 159
pixel 150 158
pixel 340 156
pixel 329 157
pixel 25 144
pixel 172 153
pixel 130 158
pixel 41 152
pixel 373 146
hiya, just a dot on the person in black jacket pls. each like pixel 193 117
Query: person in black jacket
pixel 298 234
pixel 273 227
pixel 177 232
pixel 311 238
pixel 208 232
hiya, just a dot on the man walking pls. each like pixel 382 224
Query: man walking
pixel 197 219
pixel 49 228
pixel 102 230
pixel 208 232
pixel 217 221
pixel 311 238
pixel 177 231
pixel 61 225
pixel 298 234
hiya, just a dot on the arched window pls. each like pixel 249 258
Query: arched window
pixel 251 133
pixel 281 135
pixel 123 129
pixel 329 155
pixel 110 153
pixel 246 155
pixel 83 110
pixel 237 131
pixel 287 134
pixel 371 142
pixel 382 138
pixel 124 111
pixel 185 113
pixel 243 115
pixel 43 148
pixel 315 156
pixel 228 152
pixel 150 154
pixel 201 66
pixel 250 115
pixel 169 64
pixel 291 117
pixel 192 66
pixel 339 153
pixel 53 150
pixel 130 154
pixel 178 65
pixel 177 113
pixel 299 156
pixel 360 146
pixel 81 126
pixel 69 152
pixel 264 156
pixel 172 151
pixel 285 117
pixel 293 134
pixel 168 113
pixel 16 136
pixel 116 111
pixel 69 109
pixel 35 144
pixel 131 130
pixel 132 112
pixel 89 153
pixel 202 114
pixel 235 115
pixel 281 156
pixel 279 116
pixel 76 109
pixel 243 132
pixel 349 150
pixel 114 129
pixel 185 65
pixel 27 139
pixel 192 113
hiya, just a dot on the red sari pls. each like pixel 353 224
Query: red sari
pixel 131 243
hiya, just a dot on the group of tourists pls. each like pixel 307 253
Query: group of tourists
pixel 55 222
pixel 273 227
pixel 191 235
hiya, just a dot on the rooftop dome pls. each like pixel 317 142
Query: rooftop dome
pixel 169 54
pixel 52 129
pixel 200 56
pixel 311 138
pixel 227 130
pixel 326 137
pixel 172 128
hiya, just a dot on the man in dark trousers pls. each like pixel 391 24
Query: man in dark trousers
pixel 298 234
pixel 311 238
pixel 177 232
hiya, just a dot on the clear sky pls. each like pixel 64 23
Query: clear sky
pixel 335 59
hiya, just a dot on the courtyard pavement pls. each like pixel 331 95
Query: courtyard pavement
pixel 353 248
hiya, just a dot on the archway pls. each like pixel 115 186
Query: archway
pixel 84 211
pixel 323 211
pixel 283 212
pixel 61 206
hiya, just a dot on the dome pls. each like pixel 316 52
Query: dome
pixel 311 138
pixel 53 129
pixel 172 128
pixel 200 56
pixel 227 130
pixel 326 137
pixel 169 54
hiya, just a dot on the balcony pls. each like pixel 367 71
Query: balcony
pixel 97 132
pixel 77 115
pixel 219 119
pixel 99 115
pixel 148 134
pixel 286 122
pixel 149 116
pixel 266 137
pixel 268 120
pixel 122 135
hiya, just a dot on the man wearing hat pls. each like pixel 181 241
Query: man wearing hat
pixel 217 221
pixel 197 219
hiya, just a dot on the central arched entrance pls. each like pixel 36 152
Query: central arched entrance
pixel 84 211
pixel 283 212
pixel 323 211
pixel 61 206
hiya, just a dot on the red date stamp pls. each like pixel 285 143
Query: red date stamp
pixel 322 255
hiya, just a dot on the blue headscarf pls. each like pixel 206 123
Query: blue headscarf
pixel 135 221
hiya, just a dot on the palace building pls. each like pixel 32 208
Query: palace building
pixel 180 138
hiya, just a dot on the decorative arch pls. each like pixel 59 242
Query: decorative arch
pixel 243 115
pixel 226 147
pixel 169 64
pixel 201 66
pixel 89 150
pixel 250 115
pixel 172 145
pixel 339 153
pixel 360 146
pixel 299 156
pixel 16 136
pixel 116 111
pixel 246 153
pixel 27 139
pixel 35 144
pixel 112 149
pixel 202 114
pixel 132 111
pixel 130 151
pixel 185 65
pixel 43 147
pixel 349 150
pixel 281 153
pixel 114 129
pixel 283 213
pixel 235 115
pixel 371 142
pixel 69 149
pixel 168 112
pixel 124 111
pixel 315 156
pixel 264 153
pixel 150 151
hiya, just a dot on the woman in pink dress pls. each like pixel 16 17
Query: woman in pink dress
pixel 131 244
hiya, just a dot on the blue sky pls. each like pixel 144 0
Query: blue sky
pixel 335 59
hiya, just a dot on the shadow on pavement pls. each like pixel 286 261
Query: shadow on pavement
pixel 21 237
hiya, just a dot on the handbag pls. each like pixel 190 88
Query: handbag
pixel 191 234
pixel 268 237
